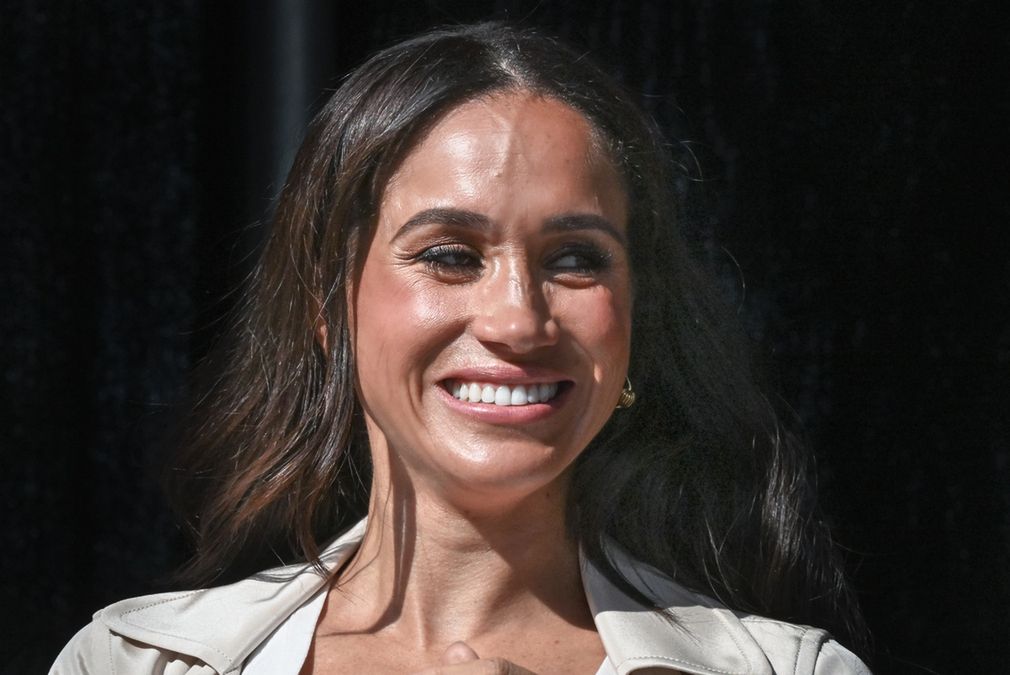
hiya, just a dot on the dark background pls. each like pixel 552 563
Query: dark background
pixel 850 159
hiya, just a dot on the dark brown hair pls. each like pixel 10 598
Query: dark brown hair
pixel 698 479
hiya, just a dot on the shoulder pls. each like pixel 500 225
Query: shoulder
pixel 792 648
pixel 201 631
pixel 694 633
pixel 97 648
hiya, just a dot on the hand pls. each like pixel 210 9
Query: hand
pixel 460 659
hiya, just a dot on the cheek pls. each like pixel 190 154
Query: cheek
pixel 399 320
pixel 602 321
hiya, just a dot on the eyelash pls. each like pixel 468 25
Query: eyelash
pixel 592 260
pixel 434 257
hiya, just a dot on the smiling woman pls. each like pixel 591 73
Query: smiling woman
pixel 426 409
pixel 497 263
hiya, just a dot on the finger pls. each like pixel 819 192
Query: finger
pixel 459 652
pixel 479 667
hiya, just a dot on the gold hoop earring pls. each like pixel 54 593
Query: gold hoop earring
pixel 627 398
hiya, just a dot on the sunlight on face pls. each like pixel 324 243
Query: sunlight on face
pixel 493 310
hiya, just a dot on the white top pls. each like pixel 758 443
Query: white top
pixel 284 652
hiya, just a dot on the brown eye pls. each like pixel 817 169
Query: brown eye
pixel 450 257
pixel 579 259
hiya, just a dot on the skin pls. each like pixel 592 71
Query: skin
pixel 498 256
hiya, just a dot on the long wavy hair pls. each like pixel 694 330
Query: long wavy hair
pixel 698 478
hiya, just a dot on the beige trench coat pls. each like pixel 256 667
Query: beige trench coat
pixel 215 630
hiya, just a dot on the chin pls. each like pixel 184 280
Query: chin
pixel 504 475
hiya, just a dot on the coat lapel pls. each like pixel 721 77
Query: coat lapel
pixel 222 626
pixel 694 635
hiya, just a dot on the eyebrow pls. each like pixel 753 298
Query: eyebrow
pixel 574 222
pixel 443 216
pixel 569 222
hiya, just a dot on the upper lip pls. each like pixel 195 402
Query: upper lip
pixel 505 374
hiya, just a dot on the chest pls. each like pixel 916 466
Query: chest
pixel 578 652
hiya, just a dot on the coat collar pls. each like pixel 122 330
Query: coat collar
pixel 222 626
pixel 695 634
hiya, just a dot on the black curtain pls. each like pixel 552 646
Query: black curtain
pixel 842 160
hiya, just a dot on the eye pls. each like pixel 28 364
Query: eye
pixel 582 259
pixel 451 259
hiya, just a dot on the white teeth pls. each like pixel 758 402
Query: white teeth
pixel 518 395
pixel 502 394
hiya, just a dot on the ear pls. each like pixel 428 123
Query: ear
pixel 322 335
pixel 321 331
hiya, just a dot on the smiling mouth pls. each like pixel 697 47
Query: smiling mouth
pixel 504 395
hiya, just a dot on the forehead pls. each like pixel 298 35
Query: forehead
pixel 510 142
pixel 503 120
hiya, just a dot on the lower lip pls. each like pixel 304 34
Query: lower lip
pixel 508 414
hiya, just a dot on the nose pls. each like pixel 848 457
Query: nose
pixel 512 312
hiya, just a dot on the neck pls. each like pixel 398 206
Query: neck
pixel 433 573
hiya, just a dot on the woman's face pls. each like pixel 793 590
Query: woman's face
pixel 492 315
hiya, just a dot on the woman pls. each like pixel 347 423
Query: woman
pixel 472 261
